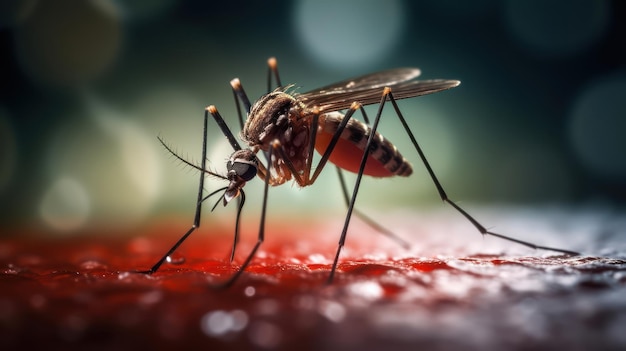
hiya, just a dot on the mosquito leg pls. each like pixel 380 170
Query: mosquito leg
pixel 445 198
pixel 162 260
pixel 364 114
pixel 311 151
pixel 302 179
pixel 333 142
pixel 241 199
pixel 283 156
pixel 386 232
pixel 272 65
pixel 238 106
pixel 196 220
pixel 379 228
pixel 357 184
pixel 261 236
pixel 241 94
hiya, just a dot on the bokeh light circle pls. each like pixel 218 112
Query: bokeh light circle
pixel 113 158
pixel 65 206
pixel 550 28
pixel 597 127
pixel 68 42
pixel 137 148
pixel 354 32
pixel 175 115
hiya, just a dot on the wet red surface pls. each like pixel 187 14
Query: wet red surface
pixel 81 292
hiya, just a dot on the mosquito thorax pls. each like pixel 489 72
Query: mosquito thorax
pixel 269 118
pixel 241 167
pixel 279 116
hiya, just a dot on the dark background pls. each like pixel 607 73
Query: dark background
pixel 86 86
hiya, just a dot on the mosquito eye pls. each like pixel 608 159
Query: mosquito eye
pixel 245 170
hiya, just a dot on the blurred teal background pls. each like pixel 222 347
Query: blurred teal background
pixel 86 86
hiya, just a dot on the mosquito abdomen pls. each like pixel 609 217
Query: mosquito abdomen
pixel 384 160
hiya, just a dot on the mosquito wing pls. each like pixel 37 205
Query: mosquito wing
pixel 368 89
pixel 369 81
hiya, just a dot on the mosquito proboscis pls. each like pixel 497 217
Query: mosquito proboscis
pixel 287 127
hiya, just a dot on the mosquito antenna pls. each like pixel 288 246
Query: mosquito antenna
pixel 186 162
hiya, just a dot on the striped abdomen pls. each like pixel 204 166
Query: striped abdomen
pixel 384 159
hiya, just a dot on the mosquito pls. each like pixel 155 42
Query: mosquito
pixel 287 127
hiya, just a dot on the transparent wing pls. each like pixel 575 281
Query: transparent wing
pixel 368 89
pixel 368 81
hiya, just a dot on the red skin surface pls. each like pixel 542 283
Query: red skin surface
pixel 83 292
pixel 80 292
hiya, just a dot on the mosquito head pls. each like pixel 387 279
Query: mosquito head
pixel 241 166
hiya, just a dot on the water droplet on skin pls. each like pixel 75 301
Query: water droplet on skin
pixel 175 259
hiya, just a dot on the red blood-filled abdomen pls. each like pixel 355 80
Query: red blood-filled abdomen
pixel 348 155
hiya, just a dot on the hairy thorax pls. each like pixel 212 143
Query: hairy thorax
pixel 279 116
